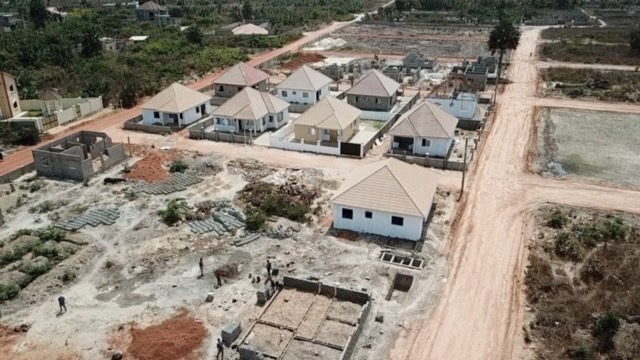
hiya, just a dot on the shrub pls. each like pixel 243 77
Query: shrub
pixel 604 329
pixel 36 185
pixel 567 247
pixel 557 219
pixel 8 291
pixel 36 270
pixel 615 230
pixel 178 166
pixel 172 213
pixel 69 275
pixel 580 353
pixel 51 233
pixel 255 219
pixel 130 195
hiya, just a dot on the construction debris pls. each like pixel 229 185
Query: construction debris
pixel 224 217
pixel 93 217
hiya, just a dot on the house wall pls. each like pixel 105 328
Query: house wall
pixel 9 96
pixel 189 116
pixel 463 107
pixel 302 133
pixel 228 124
pixel 369 102
pixel 69 164
pixel 480 81
pixel 297 96
pixel 437 147
pixel 230 90
pixel 379 224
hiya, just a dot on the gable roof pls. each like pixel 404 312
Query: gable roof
pixel 329 113
pixel 251 104
pixel 175 99
pixel 389 185
pixel 426 120
pixel 241 75
pixel 374 83
pixel 249 29
pixel 50 94
pixel 305 78
pixel 151 6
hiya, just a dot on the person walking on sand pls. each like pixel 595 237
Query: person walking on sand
pixel 63 306
pixel 217 273
pixel 201 264
pixel 220 353
pixel 268 269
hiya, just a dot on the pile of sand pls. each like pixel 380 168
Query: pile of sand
pixel 174 339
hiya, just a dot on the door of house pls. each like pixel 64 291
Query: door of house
pixel 202 110
pixel 333 136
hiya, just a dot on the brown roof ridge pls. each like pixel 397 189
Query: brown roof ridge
pixel 402 185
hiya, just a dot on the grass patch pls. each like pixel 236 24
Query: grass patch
pixel 604 35
pixel 590 54
pixel 619 86
pixel 172 213
pixel 8 291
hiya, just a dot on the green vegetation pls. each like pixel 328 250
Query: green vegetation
pixel 178 166
pixel 585 305
pixel 172 213
pixel 8 292
pixel 23 135
pixel 590 54
pixel 255 219
pixel 69 275
pixel 620 86
pixel 502 38
pixel 604 35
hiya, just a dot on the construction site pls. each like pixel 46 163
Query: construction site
pixel 164 244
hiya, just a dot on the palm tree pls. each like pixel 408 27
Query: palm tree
pixel 503 37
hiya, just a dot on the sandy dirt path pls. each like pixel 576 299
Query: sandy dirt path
pixel 480 313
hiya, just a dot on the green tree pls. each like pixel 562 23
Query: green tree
pixel 194 35
pixel 91 44
pixel 502 38
pixel 634 39
pixel 38 13
pixel 247 10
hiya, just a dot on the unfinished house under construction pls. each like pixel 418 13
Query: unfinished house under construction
pixel 78 156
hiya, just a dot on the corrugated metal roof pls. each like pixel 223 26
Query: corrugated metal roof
pixel 374 83
pixel 242 75
pixel 151 6
pixel 251 104
pixel 305 78
pixel 391 186
pixel 249 29
pixel 175 99
pixel 329 113
pixel 427 120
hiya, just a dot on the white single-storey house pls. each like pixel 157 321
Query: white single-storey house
pixel 251 110
pixel 425 130
pixel 305 86
pixel 387 197
pixel 176 105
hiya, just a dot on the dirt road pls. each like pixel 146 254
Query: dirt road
pixel 23 157
pixel 480 313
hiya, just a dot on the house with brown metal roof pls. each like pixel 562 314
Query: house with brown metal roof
pixel 177 105
pixel 426 130
pixel 387 197
pixel 330 120
pixel 151 11
pixel 305 86
pixel 239 77
pixel 251 110
pixel 373 91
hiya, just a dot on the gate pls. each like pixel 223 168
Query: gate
pixel 350 149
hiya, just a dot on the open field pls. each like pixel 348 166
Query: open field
pixel 589 54
pixel 402 39
pixel 590 84
pixel 583 291
pixel 617 17
pixel 595 146
pixel 603 35
pixel 143 272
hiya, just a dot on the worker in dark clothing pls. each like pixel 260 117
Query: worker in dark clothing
pixel 268 269
pixel 217 273
pixel 273 285
pixel 63 306
pixel 201 268
pixel 220 353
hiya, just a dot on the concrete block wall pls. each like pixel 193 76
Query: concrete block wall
pixel 116 154
pixel 301 284
pixel 358 297
pixel 248 353
pixel 353 339
pixel 327 290
pixel 62 165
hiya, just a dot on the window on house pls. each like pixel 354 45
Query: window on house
pixel 293 93
pixel 270 118
pixel 156 114
pixel 311 131
pixel 280 116
pixel 15 104
pixel 305 94
pixel 240 88
pixel 355 99
pixel 218 121
pixel 347 214
pixel 264 121
pixel 426 142
pixel 220 88
pixel 284 93
pixel 11 87
pixel 181 117
pixel 197 110
pixel 397 220
pixel 368 214
pixel 326 131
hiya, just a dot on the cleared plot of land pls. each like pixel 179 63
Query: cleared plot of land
pixel 403 39
pixel 619 86
pixel 596 146
pixel 345 311
pixel 269 339
pixel 314 317
pixel 289 308
pixel 582 285
pixel 307 350
pixel 603 35
pixel 618 17
pixel 590 54
pixel 335 333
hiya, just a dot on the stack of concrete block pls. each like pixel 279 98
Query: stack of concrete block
pixel 224 218
pixel 231 332
pixel 264 295
pixel 176 182
pixel 93 217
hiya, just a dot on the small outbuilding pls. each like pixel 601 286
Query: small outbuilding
pixel 425 130
pixel 176 105
pixel 387 197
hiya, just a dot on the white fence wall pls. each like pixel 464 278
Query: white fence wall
pixel 376 115
pixel 85 108
pixel 28 105
pixel 66 116
pixel 281 139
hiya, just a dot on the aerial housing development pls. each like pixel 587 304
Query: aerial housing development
pixel 319 180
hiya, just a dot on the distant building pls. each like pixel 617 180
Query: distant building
pixel 9 97
pixel 475 76
pixel 151 11
pixel 417 61
pixel 237 78
pixel 249 29
pixel 8 21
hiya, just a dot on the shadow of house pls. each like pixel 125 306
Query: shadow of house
pixel 78 156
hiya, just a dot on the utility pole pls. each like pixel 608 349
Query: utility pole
pixel 464 167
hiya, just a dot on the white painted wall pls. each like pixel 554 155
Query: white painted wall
pixel 379 224
pixel 297 96
pixel 436 147
pixel 66 116
pixel 226 124
pixel 189 116
pixel 462 107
